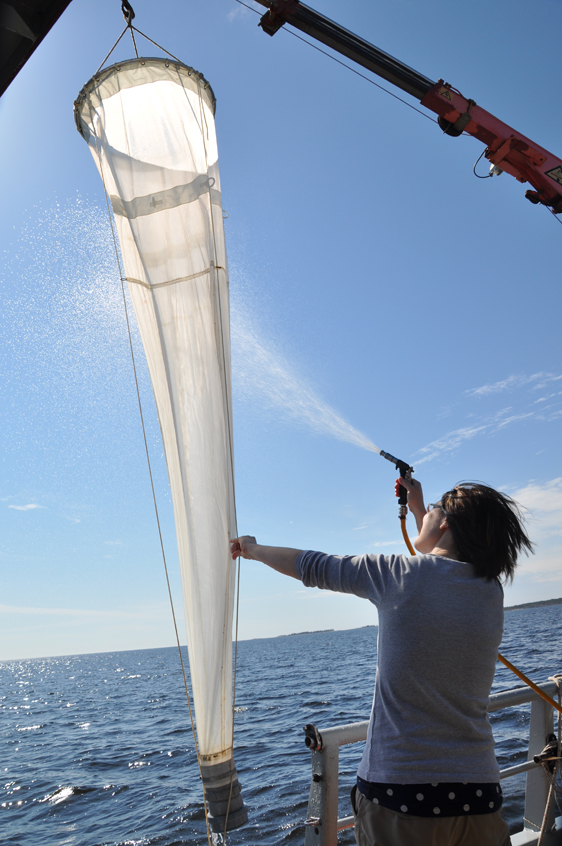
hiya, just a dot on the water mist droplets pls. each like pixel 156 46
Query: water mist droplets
pixel 68 393
pixel 263 376
pixel 69 388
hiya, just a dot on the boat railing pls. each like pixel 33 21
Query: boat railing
pixel 322 824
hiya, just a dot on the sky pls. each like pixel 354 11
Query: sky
pixel 377 287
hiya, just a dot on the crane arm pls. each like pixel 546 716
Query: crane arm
pixel 506 148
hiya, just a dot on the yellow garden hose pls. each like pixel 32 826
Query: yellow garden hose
pixel 504 661
pixel 405 536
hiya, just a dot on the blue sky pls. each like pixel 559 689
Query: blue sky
pixel 373 278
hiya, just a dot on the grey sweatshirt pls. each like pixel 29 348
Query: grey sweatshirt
pixel 439 632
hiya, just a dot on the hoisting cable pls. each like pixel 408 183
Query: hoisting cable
pixel 553 213
pixel 171 55
pixel 111 51
pixel 501 658
pixel 343 64
pixel 139 401
pixel 129 14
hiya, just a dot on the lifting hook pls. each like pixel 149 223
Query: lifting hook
pixel 128 12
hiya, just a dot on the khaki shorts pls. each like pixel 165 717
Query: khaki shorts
pixel 378 826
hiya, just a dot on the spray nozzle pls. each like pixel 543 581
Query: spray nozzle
pixel 402 467
pixel 405 470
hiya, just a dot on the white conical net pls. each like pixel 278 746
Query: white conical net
pixel 150 127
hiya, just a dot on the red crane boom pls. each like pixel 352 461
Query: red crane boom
pixel 506 148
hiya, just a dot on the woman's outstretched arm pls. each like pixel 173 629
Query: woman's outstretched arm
pixel 279 558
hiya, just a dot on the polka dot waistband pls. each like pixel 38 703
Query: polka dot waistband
pixel 434 800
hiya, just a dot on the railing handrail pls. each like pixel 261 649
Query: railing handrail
pixel 518 696
pixel 323 823
pixel 356 732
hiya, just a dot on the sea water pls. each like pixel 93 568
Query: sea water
pixel 97 749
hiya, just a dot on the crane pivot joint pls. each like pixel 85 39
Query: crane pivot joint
pixel 274 19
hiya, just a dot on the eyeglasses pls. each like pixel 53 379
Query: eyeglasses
pixel 432 505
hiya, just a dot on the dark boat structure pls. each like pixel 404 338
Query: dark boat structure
pixel 23 26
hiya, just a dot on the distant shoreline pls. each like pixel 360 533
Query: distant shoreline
pixel 539 604
pixel 293 634
pixel 317 631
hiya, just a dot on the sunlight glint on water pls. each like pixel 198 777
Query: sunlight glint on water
pixel 98 747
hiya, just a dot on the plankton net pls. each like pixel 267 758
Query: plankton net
pixel 149 124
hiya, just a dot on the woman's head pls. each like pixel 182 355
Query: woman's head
pixel 487 529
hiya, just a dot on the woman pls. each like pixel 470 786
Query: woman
pixel 428 775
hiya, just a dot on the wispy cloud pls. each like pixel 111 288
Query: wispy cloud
pixel 513 382
pixel 544 505
pixel 113 543
pixel 448 442
pixel 29 507
pixel 525 407
pixel 73 519
pixel 550 396
pixel 452 440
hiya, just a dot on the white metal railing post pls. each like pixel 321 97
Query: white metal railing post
pixel 536 791
pixel 322 821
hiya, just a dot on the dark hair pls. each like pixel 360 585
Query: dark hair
pixel 487 529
